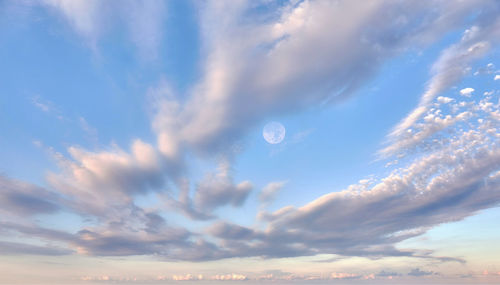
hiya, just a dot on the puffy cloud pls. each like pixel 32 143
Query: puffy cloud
pixel 433 122
pixel 467 92
pixel 444 100
pixel 497 77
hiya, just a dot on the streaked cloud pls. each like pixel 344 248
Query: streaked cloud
pixel 92 19
pixel 23 199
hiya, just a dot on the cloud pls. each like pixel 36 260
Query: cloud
pixel 184 277
pixel 269 191
pixel 108 178
pixel 450 67
pixel 14 248
pixel 467 92
pixel 134 232
pixel 497 77
pixel 217 189
pixel 230 231
pixel 229 277
pixel 264 67
pixel 444 100
pixel 90 131
pixel 488 69
pixel 23 199
pixel 92 19
pixel 336 275
pixel 81 14
pixel 145 20
pixel 44 106
pixel 456 178
pixel 47 107
pixel 384 273
pixel 432 121
pixel 418 273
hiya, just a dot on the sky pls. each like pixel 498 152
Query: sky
pixel 249 142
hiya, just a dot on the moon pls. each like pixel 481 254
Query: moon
pixel 273 132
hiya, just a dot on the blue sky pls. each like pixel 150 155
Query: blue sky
pixel 132 144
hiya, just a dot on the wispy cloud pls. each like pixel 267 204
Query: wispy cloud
pixel 92 19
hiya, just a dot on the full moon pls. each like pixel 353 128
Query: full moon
pixel 273 132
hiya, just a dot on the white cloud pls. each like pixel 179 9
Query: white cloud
pixel 467 92
pixel 444 100
pixel 497 77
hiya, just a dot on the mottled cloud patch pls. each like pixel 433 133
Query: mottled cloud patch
pixel 452 65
